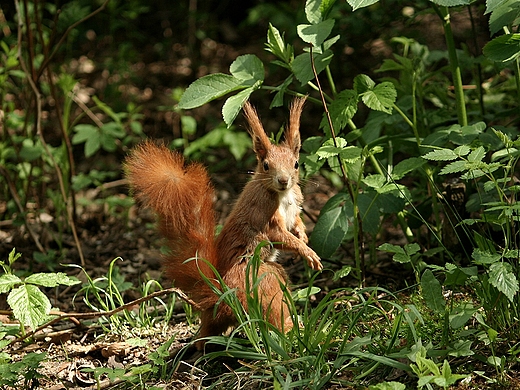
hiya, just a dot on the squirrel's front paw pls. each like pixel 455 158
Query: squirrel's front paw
pixel 313 260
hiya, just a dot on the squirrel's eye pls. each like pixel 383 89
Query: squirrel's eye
pixel 296 165
pixel 266 166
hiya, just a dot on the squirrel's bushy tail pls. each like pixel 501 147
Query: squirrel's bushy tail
pixel 182 197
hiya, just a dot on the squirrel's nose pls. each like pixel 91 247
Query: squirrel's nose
pixel 284 181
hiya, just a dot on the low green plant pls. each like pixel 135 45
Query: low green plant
pixel 29 304
pixel 21 374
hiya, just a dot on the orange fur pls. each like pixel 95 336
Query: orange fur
pixel 267 210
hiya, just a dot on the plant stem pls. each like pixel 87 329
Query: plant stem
pixel 444 14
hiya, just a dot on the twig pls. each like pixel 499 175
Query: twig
pixel 344 173
pixel 108 313
pixel 14 194
pixel 38 98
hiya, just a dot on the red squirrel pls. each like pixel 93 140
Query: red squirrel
pixel 268 209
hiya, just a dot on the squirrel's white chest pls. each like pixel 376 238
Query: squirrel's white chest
pixel 289 209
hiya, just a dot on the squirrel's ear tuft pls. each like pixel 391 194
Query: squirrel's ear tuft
pixel 261 143
pixel 292 133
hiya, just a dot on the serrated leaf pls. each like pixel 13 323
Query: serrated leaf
pixel 381 98
pixel 8 281
pixel 341 110
pixel 503 48
pixel 492 5
pixel 315 34
pixel 248 69
pixel 51 279
pixel 482 257
pixel 208 88
pixel 441 155
pixel 432 292
pixel 502 277
pixel 30 306
pixel 477 154
pixel 363 83
pixel 462 150
pixel 451 3
pixel 454 167
pixel 233 105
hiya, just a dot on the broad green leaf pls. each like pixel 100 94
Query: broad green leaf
pixel 388 386
pixel 341 110
pixel 375 181
pixel 481 257
pixel 432 292
pixel 369 210
pixel 461 348
pixel 248 69
pixel 363 83
pixel 356 4
pixel 492 5
pixel 302 69
pixel 331 228
pixel 381 98
pixel 188 125
pixel 503 15
pixel 312 11
pixel 233 105
pixel 84 132
pixel 30 306
pixel 8 281
pixel 278 98
pixel 391 248
pixel 454 167
pixel 406 166
pixel 461 314
pixel 208 88
pixel 503 48
pixel 30 151
pixel 315 34
pixel 502 277
pixel 51 279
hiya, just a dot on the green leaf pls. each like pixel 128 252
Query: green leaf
pixel 234 103
pixel 461 314
pixel 332 226
pixel 502 277
pixel 454 167
pixel 503 48
pixel 406 166
pixel 492 5
pixel 8 281
pixel 477 154
pixel 481 257
pixel 248 69
pixel 208 88
pixel 502 15
pixel 356 4
pixel 432 292
pixel 388 386
pixel 341 110
pixel 51 279
pixel 312 11
pixel 276 45
pixel 278 98
pixel 315 34
pixel 30 306
pixel 84 132
pixel 441 155
pixel 302 69
pixel 381 98
pixel 363 83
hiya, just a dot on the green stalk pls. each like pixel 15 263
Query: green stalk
pixel 444 14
